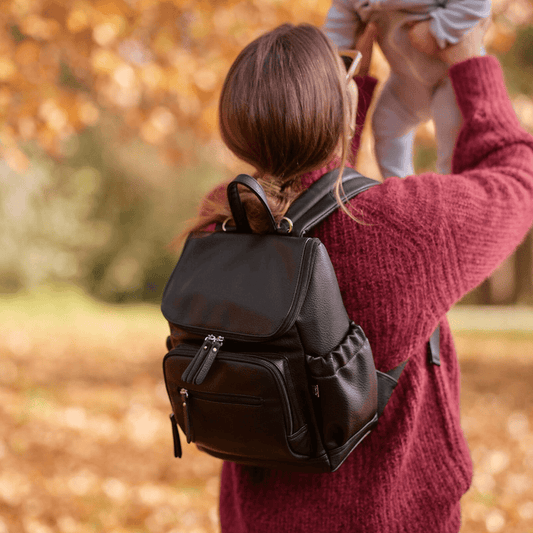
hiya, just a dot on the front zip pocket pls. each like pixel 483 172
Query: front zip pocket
pixel 226 398
pixel 210 397
pixel 242 408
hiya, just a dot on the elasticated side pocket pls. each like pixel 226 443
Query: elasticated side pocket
pixel 345 387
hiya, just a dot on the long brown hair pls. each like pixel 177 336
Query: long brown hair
pixel 284 109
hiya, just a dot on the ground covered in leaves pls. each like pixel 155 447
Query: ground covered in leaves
pixel 85 440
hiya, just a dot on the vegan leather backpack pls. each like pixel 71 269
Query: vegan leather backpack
pixel 269 370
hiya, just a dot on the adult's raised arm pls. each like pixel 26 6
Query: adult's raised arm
pixel 463 224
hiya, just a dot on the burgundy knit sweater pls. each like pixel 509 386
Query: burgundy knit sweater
pixel 427 240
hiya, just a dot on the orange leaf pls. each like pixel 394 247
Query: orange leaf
pixel 78 20
pixel 5 97
pixel 111 7
pixel 40 28
pixel 27 53
pixel 8 69
pixel 104 61
pixel 17 160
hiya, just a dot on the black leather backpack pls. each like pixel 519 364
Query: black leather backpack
pixel 270 371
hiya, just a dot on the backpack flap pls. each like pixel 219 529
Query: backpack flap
pixel 244 287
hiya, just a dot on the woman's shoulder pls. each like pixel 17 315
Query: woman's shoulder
pixel 409 199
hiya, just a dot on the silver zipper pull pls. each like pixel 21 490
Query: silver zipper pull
pixel 197 360
pixel 208 360
pixel 184 393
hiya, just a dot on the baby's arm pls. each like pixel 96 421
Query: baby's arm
pixel 342 23
pixel 456 18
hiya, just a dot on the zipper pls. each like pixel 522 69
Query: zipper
pixel 237 399
pixel 209 396
pixel 259 360
pixel 279 381
pixel 216 343
pixel 201 363
pixel 186 415
pixel 191 370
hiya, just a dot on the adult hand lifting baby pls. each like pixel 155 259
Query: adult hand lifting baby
pixel 422 39
pixel 469 46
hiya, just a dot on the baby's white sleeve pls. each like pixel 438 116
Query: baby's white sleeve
pixel 456 18
pixel 342 23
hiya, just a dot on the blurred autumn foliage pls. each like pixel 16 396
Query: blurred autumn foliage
pixel 108 131
pixel 159 64
pixel 107 141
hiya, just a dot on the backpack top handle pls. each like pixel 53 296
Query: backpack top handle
pixel 308 210
pixel 237 208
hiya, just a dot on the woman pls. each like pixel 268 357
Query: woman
pixel 404 253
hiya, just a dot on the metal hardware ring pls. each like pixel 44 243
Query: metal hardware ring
pixel 291 225
pixel 224 224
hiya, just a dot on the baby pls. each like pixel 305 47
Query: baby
pixel 418 87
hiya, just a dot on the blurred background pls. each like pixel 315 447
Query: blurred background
pixel 108 140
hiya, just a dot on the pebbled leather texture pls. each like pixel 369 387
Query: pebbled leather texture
pixel 347 389
pixel 322 322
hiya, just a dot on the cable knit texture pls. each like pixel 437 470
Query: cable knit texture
pixel 426 240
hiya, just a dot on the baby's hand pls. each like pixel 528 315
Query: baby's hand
pixel 422 38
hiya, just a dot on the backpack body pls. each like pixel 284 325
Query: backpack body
pixel 269 370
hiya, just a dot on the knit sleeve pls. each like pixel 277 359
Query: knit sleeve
pixel 460 227
pixel 492 189
pixel 366 85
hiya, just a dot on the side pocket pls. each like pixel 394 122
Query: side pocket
pixel 300 441
pixel 345 387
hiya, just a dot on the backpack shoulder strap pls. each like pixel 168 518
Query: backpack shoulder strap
pixel 318 201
